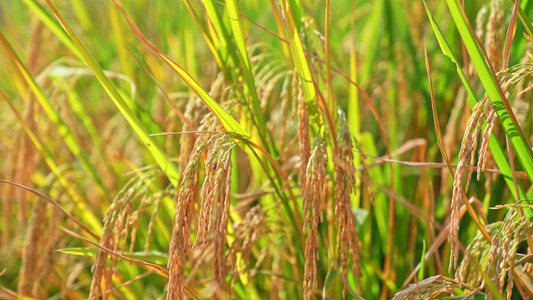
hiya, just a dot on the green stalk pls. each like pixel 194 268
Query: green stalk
pixel 250 89
pixel 226 49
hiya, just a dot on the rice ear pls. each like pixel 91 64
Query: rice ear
pixel 179 244
pixel 465 155
pixel 509 79
pixel 348 245
pixel 313 196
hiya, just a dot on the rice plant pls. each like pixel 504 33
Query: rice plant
pixel 282 149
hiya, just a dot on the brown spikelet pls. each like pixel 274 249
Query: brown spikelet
pixel 475 139
pixel 465 156
pixel 214 185
pixel 209 194
pixel 196 112
pixel 449 139
pixel 216 192
pixel 181 229
pixel 193 112
pixel 313 197
pixel 347 242
pixel 187 197
pixel 489 162
pixel 485 141
pixel 220 228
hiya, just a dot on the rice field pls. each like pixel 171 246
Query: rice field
pixel 282 149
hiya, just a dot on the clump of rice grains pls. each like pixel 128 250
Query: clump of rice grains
pixel 500 256
pixel 216 198
pixel 119 219
pixel 348 244
pixel 246 233
pixel 477 251
pixel 429 288
pixel 197 114
pixel 314 194
pixel 184 196
pixel 194 110
pixel 508 78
